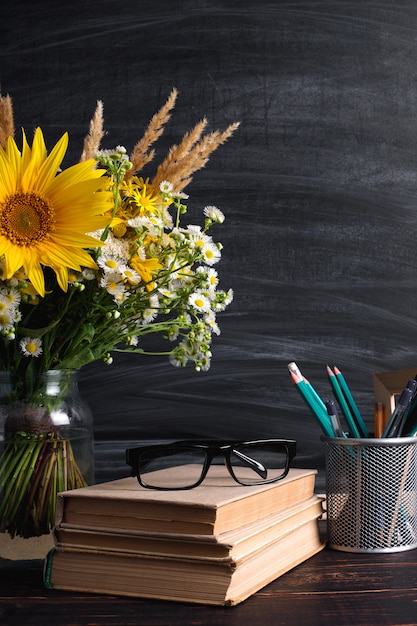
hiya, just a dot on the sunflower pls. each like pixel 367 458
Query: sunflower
pixel 45 215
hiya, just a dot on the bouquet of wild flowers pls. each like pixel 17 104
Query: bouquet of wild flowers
pixel 94 257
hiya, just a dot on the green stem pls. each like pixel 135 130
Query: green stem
pixel 32 473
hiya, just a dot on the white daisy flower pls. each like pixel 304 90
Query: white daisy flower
pixel 154 301
pixel 225 299
pixel 166 187
pixel 148 315
pixel 199 301
pixel 204 362
pixel 137 222
pixel 214 214
pixel 197 234
pixel 229 297
pixel 178 359
pixel 31 346
pixel 211 253
pixel 210 320
pixel 7 319
pixel 13 296
pixel 212 277
pixel 129 275
pixel 118 151
pixel 5 303
pixel 181 195
pixel 120 296
pixel 114 286
pixel 167 293
pixel 108 263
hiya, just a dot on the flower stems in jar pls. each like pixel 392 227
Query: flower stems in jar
pixel 34 468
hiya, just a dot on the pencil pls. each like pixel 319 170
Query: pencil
pixel 294 369
pixel 351 402
pixel 354 432
pixel 395 422
pixel 379 419
pixel 334 418
pixel 321 416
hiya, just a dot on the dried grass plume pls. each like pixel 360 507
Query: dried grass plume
pixel 141 154
pixel 95 134
pixel 190 155
pixel 6 120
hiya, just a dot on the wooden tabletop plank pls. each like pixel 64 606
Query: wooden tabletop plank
pixel 331 588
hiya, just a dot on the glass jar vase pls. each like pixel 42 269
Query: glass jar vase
pixel 46 446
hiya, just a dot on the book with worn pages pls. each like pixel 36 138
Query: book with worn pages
pixel 216 544
pixel 214 507
pixel 233 543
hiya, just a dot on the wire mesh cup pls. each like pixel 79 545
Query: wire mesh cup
pixel 371 487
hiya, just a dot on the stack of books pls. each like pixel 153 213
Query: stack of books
pixel 215 544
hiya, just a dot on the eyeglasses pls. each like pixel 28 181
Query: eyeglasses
pixel 184 464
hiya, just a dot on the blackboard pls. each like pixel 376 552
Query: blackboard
pixel 318 186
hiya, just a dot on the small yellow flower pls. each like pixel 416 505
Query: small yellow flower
pixel 144 200
pixel 146 268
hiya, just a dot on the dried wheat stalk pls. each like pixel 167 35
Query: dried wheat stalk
pixel 141 154
pixel 191 155
pixel 95 134
pixel 6 120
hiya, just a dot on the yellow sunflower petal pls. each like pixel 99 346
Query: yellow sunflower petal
pixel 69 257
pixel 12 263
pixel 35 274
pixel 49 168
pixel 62 276
pixel 29 177
pixel 75 175
pixel 6 180
pixel 26 152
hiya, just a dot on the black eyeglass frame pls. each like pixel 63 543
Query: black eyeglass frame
pixel 211 449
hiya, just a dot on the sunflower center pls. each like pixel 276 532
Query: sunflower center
pixel 26 218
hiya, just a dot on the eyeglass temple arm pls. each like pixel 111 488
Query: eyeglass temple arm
pixel 258 467
pixel 143 464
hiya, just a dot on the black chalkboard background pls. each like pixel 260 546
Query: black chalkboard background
pixel 319 187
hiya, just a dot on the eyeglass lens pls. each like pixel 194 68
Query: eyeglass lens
pixel 185 467
pixel 258 462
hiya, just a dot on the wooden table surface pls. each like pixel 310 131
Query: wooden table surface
pixel 330 588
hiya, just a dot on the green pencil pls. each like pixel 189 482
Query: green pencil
pixel 351 402
pixel 321 416
pixel 353 429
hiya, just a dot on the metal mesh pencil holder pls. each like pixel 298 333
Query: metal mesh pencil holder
pixel 371 487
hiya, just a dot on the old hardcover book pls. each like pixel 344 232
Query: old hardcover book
pixel 216 506
pixel 230 544
pixel 186 579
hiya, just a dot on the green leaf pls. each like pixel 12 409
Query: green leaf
pixel 36 332
pixel 78 360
